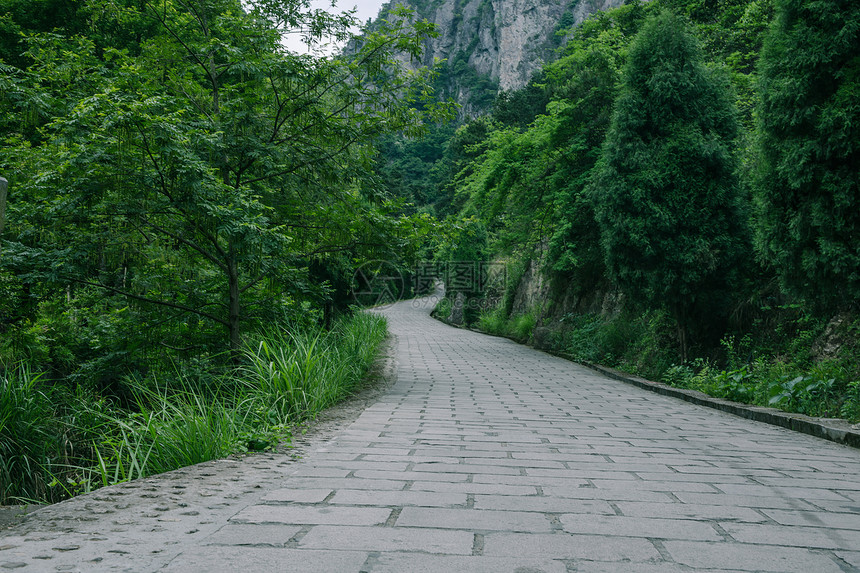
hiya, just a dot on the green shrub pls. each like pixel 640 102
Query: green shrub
pixel 299 373
pixel 521 326
pixel 31 438
pixel 493 321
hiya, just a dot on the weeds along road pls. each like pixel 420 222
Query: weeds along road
pixel 483 456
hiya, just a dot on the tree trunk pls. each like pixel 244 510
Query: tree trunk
pixel 680 314
pixel 233 306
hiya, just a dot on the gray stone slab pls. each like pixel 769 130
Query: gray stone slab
pixel 795 536
pixel 286 495
pixel 740 557
pixel 419 563
pixel 617 525
pixel 543 504
pixel 389 539
pixel 398 498
pixel 808 493
pixel 815 518
pixel 476 488
pixel 473 519
pixel 850 558
pixel 253 534
pixel 663 567
pixel 567 546
pixel 589 491
pixel 265 560
pixel 746 501
pixel 310 515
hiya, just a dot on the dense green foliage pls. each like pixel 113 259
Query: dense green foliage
pixel 168 197
pixel 809 150
pixel 666 196
pixel 671 197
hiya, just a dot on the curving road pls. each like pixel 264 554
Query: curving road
pixel 484 456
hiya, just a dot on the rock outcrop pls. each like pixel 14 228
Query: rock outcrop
pixel 493 45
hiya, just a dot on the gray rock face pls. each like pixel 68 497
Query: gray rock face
pixel 503 40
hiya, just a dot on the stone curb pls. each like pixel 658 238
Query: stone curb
pixel 832 429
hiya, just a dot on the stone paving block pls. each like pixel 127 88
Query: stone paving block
pixel 265 560
pixel 473 519
pixel 252 534
pixel 351 483
pixel 416 459
pixel 314 472
pixel 542 504
pixel 418 563
pixel 352 465
pixel 780 491
pixel 674 486
pixel 795 536
pixel 513 463
pixel 307 515
pixel 847 506
pixel 673 510
pixel 816 518
pixel 580 566
pixel 286 495
pixel 398 498
pixel 845 483
pixel 746 501
pixel 741 557
pixel 389 539
pixel 476 488
pixel 466 469
pixel 567 546
pixel 695 478
pixel 411 475
pixel 851 558
pixel 616 525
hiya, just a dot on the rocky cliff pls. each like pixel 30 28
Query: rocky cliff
pixel 493 45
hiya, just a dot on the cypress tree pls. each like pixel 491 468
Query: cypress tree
pixel 666 195
pixel 808 185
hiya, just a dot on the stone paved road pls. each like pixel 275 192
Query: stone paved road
pixel 485 456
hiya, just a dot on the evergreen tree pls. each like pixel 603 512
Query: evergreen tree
pixel 808 190
pixel 666 196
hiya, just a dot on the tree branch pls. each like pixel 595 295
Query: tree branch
pixel 196 311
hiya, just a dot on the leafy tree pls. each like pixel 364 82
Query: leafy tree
pixel 732 32
pixel 518 108
pixel 585 81
pixel 808 187
pixel 197 180
pixel 666 196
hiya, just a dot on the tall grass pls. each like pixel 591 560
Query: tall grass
pixel 55 443
pixel 31 442
pixel 517 326
pixel 299 373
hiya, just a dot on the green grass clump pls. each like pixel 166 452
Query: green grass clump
pixel 31 437
pixel 56 442
pixel 299 373
pixel 517 326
